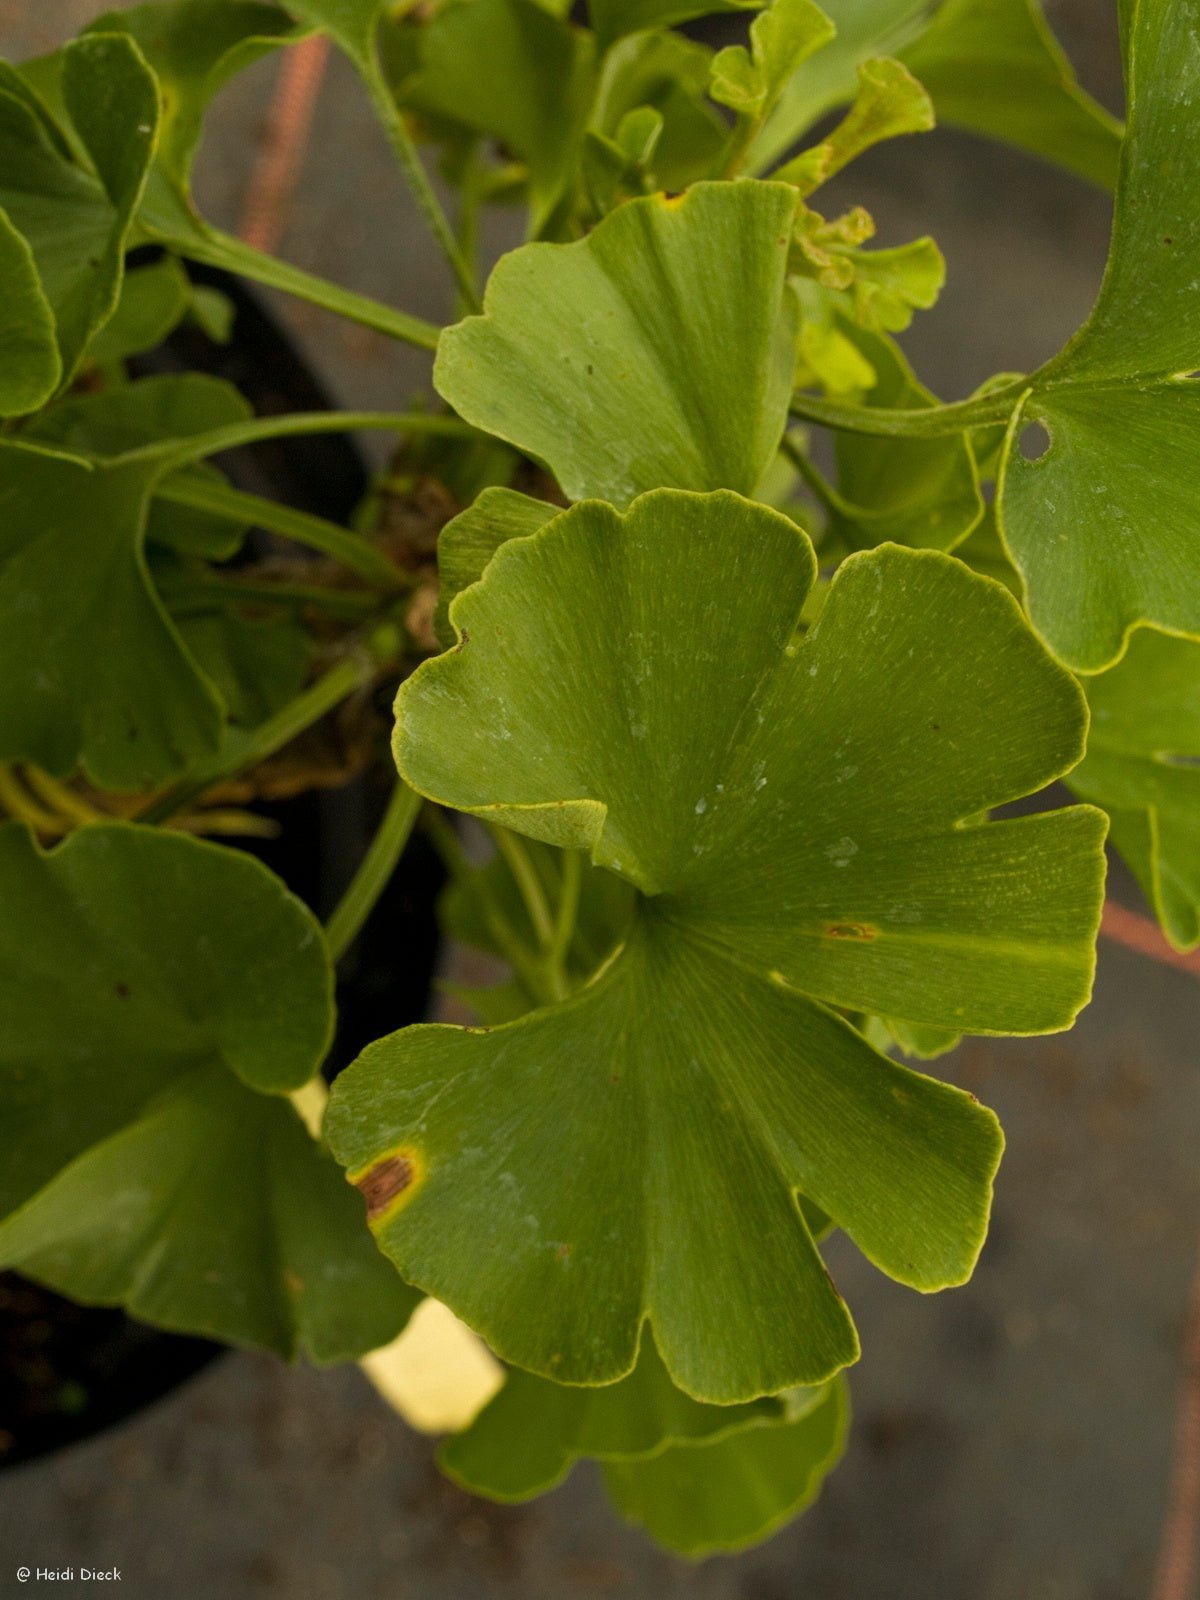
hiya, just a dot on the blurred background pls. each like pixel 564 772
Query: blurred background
pixel 1012 1439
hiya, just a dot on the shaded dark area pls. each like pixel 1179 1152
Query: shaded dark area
pixel 69 1371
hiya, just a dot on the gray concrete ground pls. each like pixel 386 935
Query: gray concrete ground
pixel 1011 1438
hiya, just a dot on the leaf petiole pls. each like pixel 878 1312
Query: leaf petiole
pixel 240 751
pixel 928 422
pixel 519 957
pixel 176 453
pixel 374 871
pixel 218 249
pixel 526 879
pixel 201 595
pixel 351 549
pixel 410 161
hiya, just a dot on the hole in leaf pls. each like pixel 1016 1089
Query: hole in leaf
pixel 1034 441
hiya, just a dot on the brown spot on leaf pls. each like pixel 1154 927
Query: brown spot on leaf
pixel 851 930
pixel 388 1183
pixel 122 991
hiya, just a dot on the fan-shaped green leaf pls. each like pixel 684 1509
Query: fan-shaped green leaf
pixel 922 492
pixel 194 47
pixel 560 1179
pixel 92 671
pixel 657 351
pixel 154 300
pixel 995 67
pixel 75 220
pixel 469 541
pixel 30 366
pixel 352 23
pixel 160 995
pixel 728 1493
pixel 255 666
pixel 173 406
pixel 1143 767
pixel 992 66
pixel 888 103
pixel 511 70
pixel 781 37
pixel 529 1437
pixel 669 74
pixel 612 19
pixel 1104 524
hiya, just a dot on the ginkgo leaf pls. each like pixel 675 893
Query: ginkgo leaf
pixel 635 1151
pixel 995 67
pixel 30 365
pixel 888 102
pixel 529 1437
pixel 1104 522
pixel 255 665
pixel 922 492
pixel 195 46
pixel 352 23
pixel 77 220
pixel 1143 767
pixel 515 72
pixel 669 74
pixel 723 1495
pixel 992 66
pixel 656 352
pixel 781 37
pixel 171 406
pixel 154 301
pixel 160 996
pixel 469 541
pixel 604 911
pixel 613 19
pixel 92 671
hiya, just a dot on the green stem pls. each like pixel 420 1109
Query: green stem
pixel 409 159
pixel 351 549
pixel 174 453
pixel 194 598
pixel 374 870
pixel 222 250
pixel 20 804
pixel 243 750
pixel 528 883
pixel 523 962
pixel 59 797
pixel 567 910
pixel 813 477
pixel 931 422
pixel 741 136
pixel 470 198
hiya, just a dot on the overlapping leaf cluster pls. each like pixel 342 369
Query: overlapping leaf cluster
pixel 736 728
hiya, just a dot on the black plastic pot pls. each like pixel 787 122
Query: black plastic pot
pixel 68 1371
